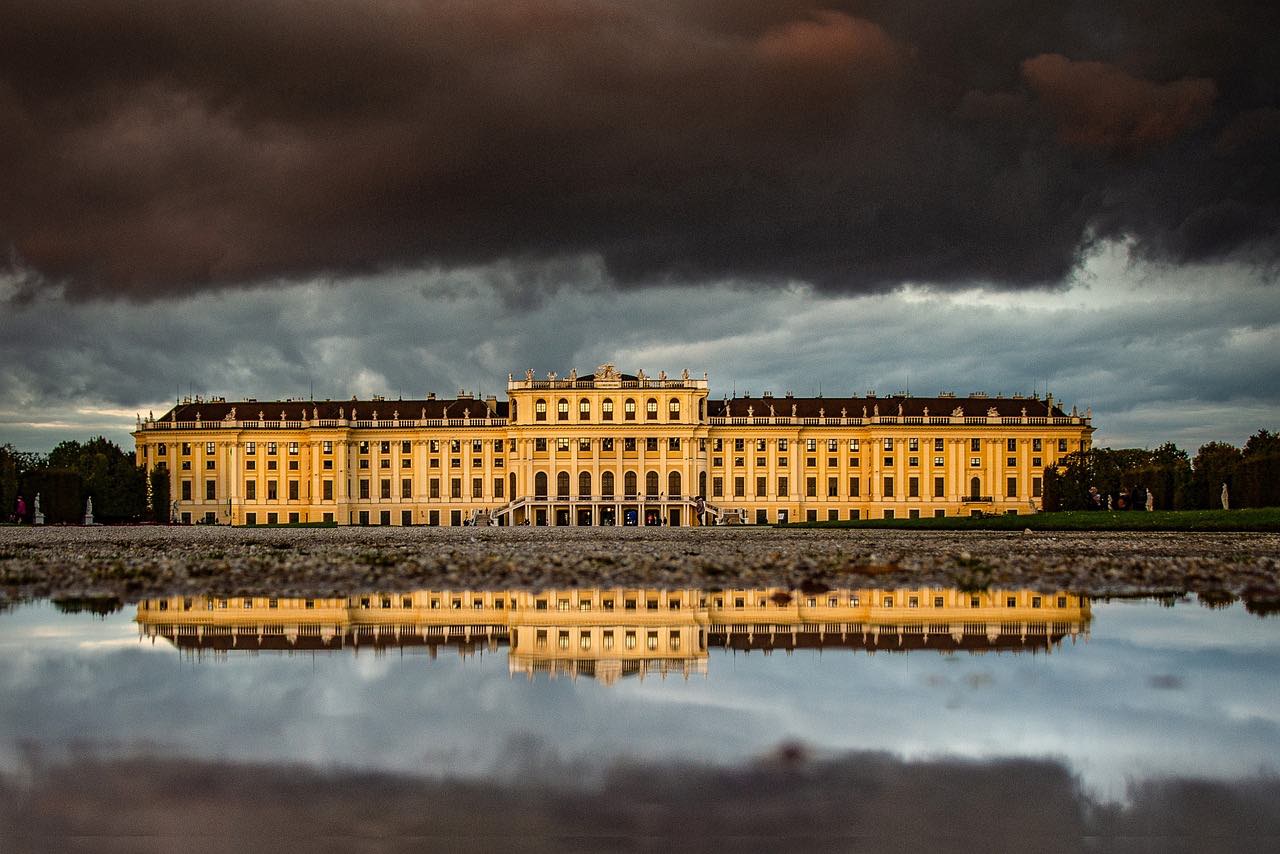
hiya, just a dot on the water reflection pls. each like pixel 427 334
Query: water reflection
pixel 609 633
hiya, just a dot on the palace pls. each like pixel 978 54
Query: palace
pixel 609 633
pixel 607 449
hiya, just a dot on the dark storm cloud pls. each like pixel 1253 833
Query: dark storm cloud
pixel 153 148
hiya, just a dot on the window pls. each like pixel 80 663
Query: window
pixel 562 443
pixel 673 443
pixel 629 444
pixel 606 444
pixel 938 446
pixel 606 484
pixel 651 484
pixel 209 448
pixel 273 490
pixel 477 487
pixel 975 462
pixel 1037 445
pixel 811 487
pixel 760 446
pixel 833 487
pixel 673 409
pixel 975 445
pixel 384 488
pixel 854 445
pixel 540 444
pixel 1062 446
pixel 271 448
pixel 913 445
pixel 606 409
pixel 293 449
pixel 251 490
pixel 739 444
pixel 562 484
pixel 584 484
pixel 497 446
pixel 939 462
pixel 210 490
pixel 186 490
pixel 327 490
pixel 651 443
pixel 584 409
pixel 455 487
pixel 162 449
pixel 939 487
pixel 651 409
pixel 833 445
pixel 406 487
pixel 853 487
pixel 717 487
pixel 629 484
pixel 584 444
pixel 1011 462
pixel 540 410
pixel 1035 462
pixel 629 409
pixel 914 462
pixel 434 487
pixel 762 486
pixel 1011 488
pixel 384 447
pixel 888 444
pixel 562 410
pixel 477 446
pixel 1010 446
pixel 327 446
pixel 811 445
pixel 913 487
pixel 888 487
pixel 497 487
pixel 739 487
pixel 435 446
pixel 1037 487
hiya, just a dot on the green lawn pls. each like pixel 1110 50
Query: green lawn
pixel 1263 519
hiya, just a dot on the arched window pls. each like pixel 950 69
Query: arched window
pixel 513 412
pixel 584 484
pixel 562 410
pixel 629 484
pixel 673 409
pixel 651 409
pixel 584 409
pixel 512 493
pixel 540 485
pixel 629 409
pixel 651 484
pixel 562 485
pixel 702 484
pixel 975 487
pixel 606 409
pixel 702 409
pixel 606 485
pixel 673 484
pixel 540 410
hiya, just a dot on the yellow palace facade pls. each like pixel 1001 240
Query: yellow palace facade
pixel 606 449
pixel 608 633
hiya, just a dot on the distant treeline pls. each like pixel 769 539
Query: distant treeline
pixel 73 472
pixel 1251 474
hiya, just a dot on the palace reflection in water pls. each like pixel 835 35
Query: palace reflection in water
pixel 608 633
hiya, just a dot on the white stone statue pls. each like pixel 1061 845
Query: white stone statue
pixel 958 412
pixel 875 410
pixel 1226 499
pixel 528 375
pixel 684 375
pixel 899 410
pixel 793 410
pixel 1151 501
pixel 88 510
pixel 37 517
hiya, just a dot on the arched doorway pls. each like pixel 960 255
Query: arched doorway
pixel 975 488
pixel 562 485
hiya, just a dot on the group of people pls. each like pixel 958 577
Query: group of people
pixel 1138 498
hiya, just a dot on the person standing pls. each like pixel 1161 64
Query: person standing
pixel 22 510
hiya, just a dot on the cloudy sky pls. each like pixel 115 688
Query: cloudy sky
pixel 258 198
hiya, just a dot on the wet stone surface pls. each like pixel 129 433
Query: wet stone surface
pixel 132 562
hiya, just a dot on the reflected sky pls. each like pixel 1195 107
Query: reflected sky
pixel 1146 691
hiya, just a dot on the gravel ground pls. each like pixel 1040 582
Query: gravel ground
pixel 135 562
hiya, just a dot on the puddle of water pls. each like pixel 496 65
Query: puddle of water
pixel 472 684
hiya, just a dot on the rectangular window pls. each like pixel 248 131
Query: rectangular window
pixel 673 443
pixel 406 487
pixel 251 490
pixel 562 443
pixel 913 487
pixel 975 462
pixel 739 444
pixel 833 487
pixel 497 487
pixel 209 448
pixel 1011 488
pixel 1010 445
pixel 888 444
pixel 811 445
pixel 293 490
pixel 606 444
pixel 326 446
pixel 434 487
pixel 888 487
pixel 584 445
pixel 739 487
pixel 854 445
pixel 250 448
pixel 273 490
pixel 1037 487
pixel 271 448
pixel 853 487
pixel 384 488
pixel 364 487
pixel 717 487
pixel 477 487
pixel 939 462
pixel 651 443
pixel 975 445
pixel 913 445
pixel 629 444
pixel 1062 446
pixel 760 444
pixel 833 445
pixel 811 487
pixel 455 487
pixel 762 487
pixel 210 490
pixel 939 487
pixel 293 448
pixel 326 490
pixel 1037 445
pixel 784 487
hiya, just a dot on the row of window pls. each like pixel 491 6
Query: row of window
pixel 888 487
pixel 606 409
pixel 889 443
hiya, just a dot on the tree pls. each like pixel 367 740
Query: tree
pixel 160 497
pixel 14 465
pixel 117 485
pixel 1216 463
pixel 1258 475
